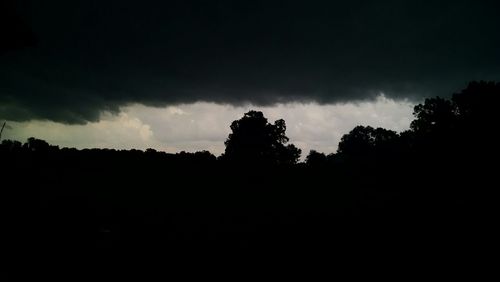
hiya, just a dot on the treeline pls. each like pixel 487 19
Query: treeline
pixel 36 150
pixel 437 177
pixel 442 158
pixel 440 128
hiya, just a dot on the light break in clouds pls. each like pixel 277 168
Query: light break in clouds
pixel 205 126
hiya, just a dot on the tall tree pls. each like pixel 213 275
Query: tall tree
pixel 255 140
pixel 363 141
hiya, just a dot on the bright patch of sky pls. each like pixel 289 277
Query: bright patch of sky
pixel 205 126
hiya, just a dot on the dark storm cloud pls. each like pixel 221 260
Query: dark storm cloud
pixel 91 56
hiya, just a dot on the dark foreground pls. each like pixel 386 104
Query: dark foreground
pixel 418 201
pixel 74 208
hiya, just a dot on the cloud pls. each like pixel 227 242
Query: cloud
pixel 205 126
pixel 120 131
pixel 94 56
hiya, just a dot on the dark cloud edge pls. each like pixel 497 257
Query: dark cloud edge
pixel 83 113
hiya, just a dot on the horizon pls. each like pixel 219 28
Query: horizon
pixel 305 126
pixel 172 76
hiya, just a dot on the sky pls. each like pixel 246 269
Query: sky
pixel 172 75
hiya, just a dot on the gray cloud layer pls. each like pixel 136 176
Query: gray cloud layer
pixel 89 56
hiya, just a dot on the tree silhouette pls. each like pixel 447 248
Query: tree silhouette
pixel 36 145
pixel 11 145
pixel 316 158
pixel 366 140
pixel 436 114
pixel 255 140
pixel 444 127
pixel 476 106
pixel 472 108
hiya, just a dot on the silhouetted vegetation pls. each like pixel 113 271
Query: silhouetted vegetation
pixel 426 188
pixel 255 141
